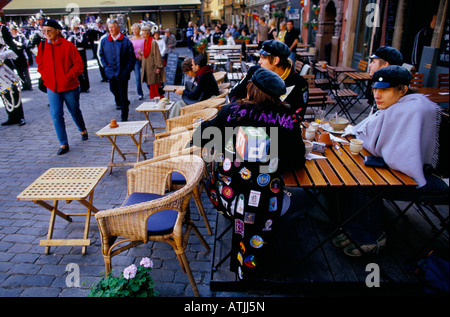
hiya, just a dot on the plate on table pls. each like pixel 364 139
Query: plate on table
pixel 329 128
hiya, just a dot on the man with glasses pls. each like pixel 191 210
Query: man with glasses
pixel 117 56
pixel 60 65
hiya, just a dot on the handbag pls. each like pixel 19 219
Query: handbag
pixel 40 80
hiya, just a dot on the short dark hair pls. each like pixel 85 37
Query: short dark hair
pixel 292 21
pixel 200 60
pixel 186 65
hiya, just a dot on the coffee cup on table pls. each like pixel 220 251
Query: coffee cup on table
pixel 314 125
pixel 356 146
pixel 310 134
pixel 113 123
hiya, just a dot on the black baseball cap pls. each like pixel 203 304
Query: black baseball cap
pixel 275 48
pixel 269 82
pixel 389 54
pixel 391 76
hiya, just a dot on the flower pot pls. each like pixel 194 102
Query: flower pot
pixel 247 41
pixel 220 42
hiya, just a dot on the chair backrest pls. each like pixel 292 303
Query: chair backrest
pixel 311 80
pixel 298 66
pixel 172 143
pixel 442 81
pixel 191 119
pixel 417 80
pixel 362 65
pixel 220 76
pixel 210 103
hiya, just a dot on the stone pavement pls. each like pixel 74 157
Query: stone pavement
pixel 28 151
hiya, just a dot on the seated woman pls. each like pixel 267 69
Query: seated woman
pixel 247 147
pixel 405 133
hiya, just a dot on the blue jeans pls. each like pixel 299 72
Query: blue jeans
pixel 137 75
pixel 72 100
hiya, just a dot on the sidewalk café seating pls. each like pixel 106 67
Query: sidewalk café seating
pixel 149 214
pixel 174 145
pixel 187 122
pixel 345 98
pixel 222 94
pixel 442 81
pixel 220 76
pixel 210 103
pixel 417 80
pixel 311 78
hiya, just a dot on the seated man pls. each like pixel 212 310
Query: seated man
pixel 274 56
pixel 186 68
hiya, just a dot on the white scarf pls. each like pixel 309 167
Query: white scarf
pixel 406 135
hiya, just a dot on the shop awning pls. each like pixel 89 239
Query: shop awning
pixel 86 6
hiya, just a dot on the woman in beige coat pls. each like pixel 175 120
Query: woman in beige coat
pixel 153 73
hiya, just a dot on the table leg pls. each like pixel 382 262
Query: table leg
pixel 149 123
pixel 114 148
pixel 88 219
pixel 51 225
pixel 138 145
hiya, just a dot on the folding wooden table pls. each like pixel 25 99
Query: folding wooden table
pixel 65 184
pixel 147 107
pixel 130 128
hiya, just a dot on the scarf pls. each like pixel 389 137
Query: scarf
pixel 203 70
pixel 406 135
pixel 148 46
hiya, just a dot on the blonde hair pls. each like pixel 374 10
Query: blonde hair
pixel 136 25
pixel 273 23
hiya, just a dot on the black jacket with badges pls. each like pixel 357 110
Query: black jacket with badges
pixel 255 146
pixel 296 95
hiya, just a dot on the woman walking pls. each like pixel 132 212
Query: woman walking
pixel 153 73
pixel 138 44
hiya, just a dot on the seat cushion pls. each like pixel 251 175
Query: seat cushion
pixel 159 223
pixel 178 178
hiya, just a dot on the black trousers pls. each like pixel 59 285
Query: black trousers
pixel 119 88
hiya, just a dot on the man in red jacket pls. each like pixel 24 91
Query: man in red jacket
pixel 60 64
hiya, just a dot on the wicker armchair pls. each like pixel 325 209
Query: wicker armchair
pixel 220 76
pixel 187 122
pixel 148 214
pixel 210 103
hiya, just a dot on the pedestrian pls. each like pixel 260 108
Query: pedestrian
pixel 11 99
pixel 138 44
pixel 196 38
pixel 291 38
pixel 153 73
pixel 60 65
pixel 78 37
pixel 282 32
pixel 117 56
pixel 217 35
pixel 161 43
pixel 21 62
pixel 263 31
pixel 189 35
pixel 95 34
pixel 272 34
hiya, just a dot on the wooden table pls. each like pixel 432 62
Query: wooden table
pixel 438 95
pixel 147 107
pixel 171 88
pixel 65 184
pixel 130 128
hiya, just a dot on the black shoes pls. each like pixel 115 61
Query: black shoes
pixel 84 136
pixel 9 122
pixel 63 150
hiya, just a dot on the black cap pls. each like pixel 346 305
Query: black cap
pixel 52 23
pixel 391 76
pixel 275 48
pixel 389 54
pixel 269 82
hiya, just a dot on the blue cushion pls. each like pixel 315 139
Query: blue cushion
pixel 159 223
pixel 178 177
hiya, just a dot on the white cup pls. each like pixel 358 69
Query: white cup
pixel 308 147
pixel 310 134
pixel 356 146
pixel 314 125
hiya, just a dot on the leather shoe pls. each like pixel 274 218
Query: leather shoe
pixel 9 122
pixel 22 122
pixel 63 150
pixel 84 136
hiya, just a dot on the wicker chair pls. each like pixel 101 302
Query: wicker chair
pixel 148 214
pixel 219 76
pixel 173 146
pixel 210 103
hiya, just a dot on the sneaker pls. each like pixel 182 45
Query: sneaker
pixel 341 241
pixel 352 250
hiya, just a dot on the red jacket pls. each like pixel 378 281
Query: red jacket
pixel 59 65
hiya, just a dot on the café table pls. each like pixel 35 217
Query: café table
pixel 130 128
pixel 65 184
pixel 438 95
pixel 171 88
pixel 147 107
pixel 336 172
